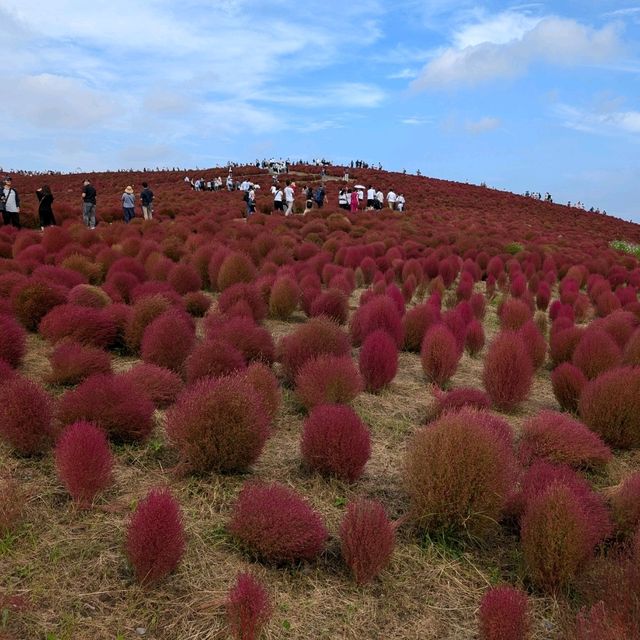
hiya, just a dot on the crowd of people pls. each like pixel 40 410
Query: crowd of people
pixel 354 199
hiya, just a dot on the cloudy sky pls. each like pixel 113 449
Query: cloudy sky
pixel 539 96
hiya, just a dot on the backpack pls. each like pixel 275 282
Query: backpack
pixel 246 196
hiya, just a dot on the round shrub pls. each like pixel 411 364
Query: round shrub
pixel 184 278
pixel 316 337
pixel 534 342
pixel 111 403
pixel 596 353
pixel 562 439
pixel 567 382
pixel 625 506
pixel 380 312
pixel 416 322
pixel 33 299
pixel 243 300
pixel 144 311
pixel 161 385
pixel 563 343
pixel 610 405
pixel 155 540
pixel 85 325
pixel 284 297
pixel 213 358
pixel 458 473
pixel 503 614
pixel 13 341
pixel 336 442
pixel 25 416
pixel 247 607
pixel 367 539
pixel 274 523
pixel 456 399
pixel 72 362
pixel 513 313
pixel 218 425
pixel 332 303
pixel 508 372
pixel 197 303
pixel 168 340
pixel 474 339
pixel 235 268
pixel 83 461
pixel 439 354
pixel 265 384
pixel 88 295
pixel 327 379
pixel 254 342
pixel 631 354
pixel 378 360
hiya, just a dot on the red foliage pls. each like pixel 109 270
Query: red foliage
pixel 610 405
pixel 112 404
pixel 595 624
pixel 567 382
pixel 168 340
pixel 458 398
pixel 596 353
pixel 439 354
pixel 86 325
pixel 336 442
pixel 625 505
pixel 534 342
pixel 213 358
pixel 367 539
pixel 416 322
pixel 631 354
pixel 559 438
pixel 184 278
pixel 378 360
pixel 332 303
pixel 71 363
pixel 88 295
pixel 248 608
pixel 254 342
pixel 265 384
pixel 33 299
pixel 218 425
pixel 12 341
pixel 145 311
pixel 474 340
pixel 314 338
pixel 504 614
pixel 25 416
pixel 380 312
pixel 563 342
pixel 235 268
pixel 83 461
pixel 328 379
pixel 155 537
pixel 197 303
pixel 513 313
pixel 284 297
pixel 161 385
pixel 470 471
pixel 243 299
pixel 277 525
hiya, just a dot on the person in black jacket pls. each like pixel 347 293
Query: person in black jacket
pixel 10 201
pixel 45 199
pixel 146 198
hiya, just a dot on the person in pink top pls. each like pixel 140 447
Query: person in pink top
pixel 354 201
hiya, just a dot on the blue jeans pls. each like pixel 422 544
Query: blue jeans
pixel 129 214
pixel 89 214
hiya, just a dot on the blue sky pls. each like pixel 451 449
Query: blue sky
pixel 538 96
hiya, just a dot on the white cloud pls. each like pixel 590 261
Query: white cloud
pixel 483 125
pixel 415 121
pixel 404 74
pixel 600 122
pixel 486 51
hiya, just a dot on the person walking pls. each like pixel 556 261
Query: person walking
pixel 10 204
pixel 353 201
pixel 320 197
pixel 400 201
pixel 379 203
pixel 45 210
pixel 89 204
pixel 371 197
pixel 278 200
pixel 146 200
pixel 128 204
pixel 391 199
pixel 289 197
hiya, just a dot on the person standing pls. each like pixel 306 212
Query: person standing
pixel 146 200
pixel 278 199
pixel 320 197
pixel 128 204
pixel 353 201
pixel 289 197
pixel 371 197
pixel 45 210
pixel 89 204
pixel 400 200
pixel 391 199
pixel 10 204
pixel 378 204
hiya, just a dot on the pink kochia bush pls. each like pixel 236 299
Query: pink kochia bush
pixel 508 372
pixel 72 362
pixel 12 341
pixel 625 506
pixel 336 442
pixel 218 425
pixel 503 614
pixel 367 539
pixel 378 360
pixel 439 354
pixel 456 399
pixel 610 406
pixel 275 524
pixel 155 540
pixel 567 382
pixel 562 439
pixel 160 384
pixel 111 403
pixel 328 379
pixel 86 325
pixel 459 471
pixel 168 340
pixel 248 608
pixel 25 416
pixel 84 461
pixel 596 353
pixel 213 358
pixel 254 342
pixel 416 322
pixel 380 312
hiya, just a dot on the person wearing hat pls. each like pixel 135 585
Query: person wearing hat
pixel 10 204
pixel 89 204
pixel 129 204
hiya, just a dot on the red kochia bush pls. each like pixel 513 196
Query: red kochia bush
pixel 161 385
pixel 276 524
pixel 378 360
pixel 25 416
pixel 12 341
pixel 336 442
pixel 559 438
pixel 610 405
pixel 439 354
pixel 155 540
pixel 72 362
pixel 33 299
pixel 567 382
pixel 88 295
pixel 243 299
pixel 508 372
pixel 631 354
pixel 111 403
pixel 248 608
pixel 513 313
pixel 596 353
pixel 332 303
pixel 328 379
pixel 367 539
pixel 145 311
pixel 218 425
pixel 235 268
pixel 265 384
pixel 83 461
pixel 284 297
pixel 197 303
pixel 184 278
pixel 458 473
pixel 316 337
pixel 168 340
pixel 563 343
pixel 254 342
pixel 625 505
pixel 213 358
pixel 503 614
pixel 86 325
pixel 456 399
pixel 534 342
pixel 416 322
pixel 474 339
pixel 380 312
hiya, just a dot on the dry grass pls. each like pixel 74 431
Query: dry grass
pixel 69 565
